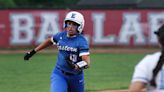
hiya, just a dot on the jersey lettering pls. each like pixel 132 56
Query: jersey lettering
pixel 67 48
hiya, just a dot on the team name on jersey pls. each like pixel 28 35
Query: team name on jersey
pixel 67 48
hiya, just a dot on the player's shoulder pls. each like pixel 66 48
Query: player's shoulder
pixel 154 55
pixel 151 58
pixel 82 37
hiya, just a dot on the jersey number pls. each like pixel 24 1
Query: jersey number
pixel 73 57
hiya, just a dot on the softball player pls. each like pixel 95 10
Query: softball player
pixel 149 72
pixel 73 55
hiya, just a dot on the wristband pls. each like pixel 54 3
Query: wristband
pixel 33 52
pixel 81 64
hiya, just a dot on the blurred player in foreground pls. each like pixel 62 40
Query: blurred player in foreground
pixel 73 55
pixel 149 73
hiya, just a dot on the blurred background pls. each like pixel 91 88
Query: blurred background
pixel 109 23
pixel 120 33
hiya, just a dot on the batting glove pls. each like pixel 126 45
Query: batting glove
pixel 77 65
pixel 70 62
pixel 28 55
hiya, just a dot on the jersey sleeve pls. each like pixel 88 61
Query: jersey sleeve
pixel 84 47
pixel 55 38
pixel 141 72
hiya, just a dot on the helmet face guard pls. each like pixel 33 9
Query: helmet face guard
pixel 77 18
pixel 67 25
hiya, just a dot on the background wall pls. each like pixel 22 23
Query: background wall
pixel 103 28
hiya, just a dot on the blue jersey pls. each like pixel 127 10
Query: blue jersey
pixel 72 47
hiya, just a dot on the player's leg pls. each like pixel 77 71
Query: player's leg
pixel 76 83
pixel 58 82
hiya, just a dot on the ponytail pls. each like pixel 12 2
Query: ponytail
pixel 157 69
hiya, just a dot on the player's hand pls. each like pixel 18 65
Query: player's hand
pixel 28 55
pixel 70 63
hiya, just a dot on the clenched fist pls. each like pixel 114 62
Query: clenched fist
pixel 28 55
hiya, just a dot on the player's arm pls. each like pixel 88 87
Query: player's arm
pixel 43 45
pixel 84 54
pixel 85 63
pixel 140 77
pixel 86 58
pixel 137 87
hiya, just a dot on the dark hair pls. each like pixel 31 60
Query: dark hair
pixel 157 69
pixel 160 34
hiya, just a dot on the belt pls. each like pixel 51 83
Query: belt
pixel 68 73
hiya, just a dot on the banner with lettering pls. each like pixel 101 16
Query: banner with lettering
pixel 102 27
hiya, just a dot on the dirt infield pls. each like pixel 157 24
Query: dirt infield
pixel 124 90
pixel 114 91
pixel 124 50
pixel 92 50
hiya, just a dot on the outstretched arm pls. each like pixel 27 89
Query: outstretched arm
pixel 43 45
pixel 85 63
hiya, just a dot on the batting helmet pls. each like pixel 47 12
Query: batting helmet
pixel 77 18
